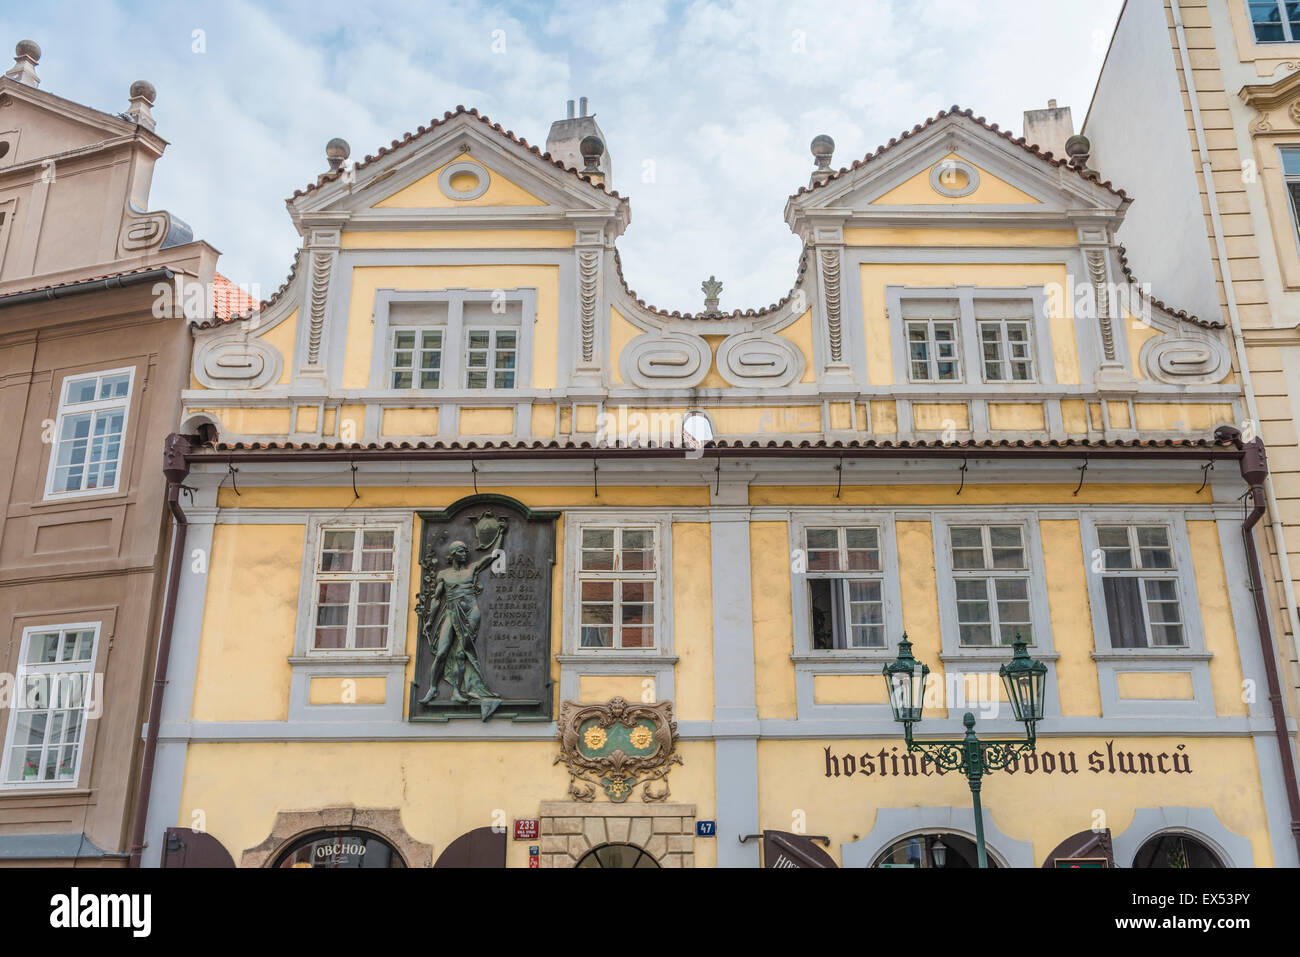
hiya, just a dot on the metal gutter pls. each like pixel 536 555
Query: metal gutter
pixel 360 455
pixel 175 468
pixel 81 288
pixel 1234 319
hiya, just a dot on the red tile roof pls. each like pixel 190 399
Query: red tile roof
pixel 228 300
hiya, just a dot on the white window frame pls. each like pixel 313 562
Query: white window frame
pixel 1004 344
pixel 967 307
pixel 842 576
pixel 1143 575
pixel 416 369
pixel 455 325
pixel 400 525
pixel 493 332
pixel 24 670
pixel 957 657
pixel 989 573
pixel 1111 661
pixel 933 358
pixel 800 596
pixel 96 405
pixel 620 575
pixel 1288 35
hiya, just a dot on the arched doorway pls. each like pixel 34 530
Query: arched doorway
pixel 932 850
pixel 617 855
pixel 340 849
pixel 1174 849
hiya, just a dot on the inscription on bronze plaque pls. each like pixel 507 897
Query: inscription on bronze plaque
pixel 484 612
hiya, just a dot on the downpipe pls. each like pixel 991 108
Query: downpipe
pixel 175 467
pixel 1254 469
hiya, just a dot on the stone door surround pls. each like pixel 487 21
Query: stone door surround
pixel 572 828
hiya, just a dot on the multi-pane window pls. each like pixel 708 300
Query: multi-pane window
pixel 990 570
pixel 417 358
pixel 1004 350
pixel 617 581
pixel 932 350
pixel 845 587
pixel 1291 174
pixel 353 588
pixel 490 358
pixel 1275 21
pixel 47 726
pixel 87 453
pixel 1140 585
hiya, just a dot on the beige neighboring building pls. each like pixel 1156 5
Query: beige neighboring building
pixel 1197 113
pixel 94 351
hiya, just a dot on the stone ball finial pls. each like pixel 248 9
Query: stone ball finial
pixel 591 148
pixel 336 151
pixel 143 89
pixel 29 49
pixel 823 148
pixel 1078 147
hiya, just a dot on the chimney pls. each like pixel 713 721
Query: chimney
pixel 567 137
pixel 26 55
pixel 143 96
pixel 1049 129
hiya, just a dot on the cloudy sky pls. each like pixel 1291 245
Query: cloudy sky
pixel 708 107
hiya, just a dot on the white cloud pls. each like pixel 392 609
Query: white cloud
pixel 721 97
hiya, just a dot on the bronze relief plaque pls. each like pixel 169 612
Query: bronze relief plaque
pixel 484 612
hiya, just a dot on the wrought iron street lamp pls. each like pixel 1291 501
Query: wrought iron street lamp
pixel 1025 681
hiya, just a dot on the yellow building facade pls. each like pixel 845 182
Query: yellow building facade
pixel 696 539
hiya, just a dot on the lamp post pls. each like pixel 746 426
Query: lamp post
pixel 1025 681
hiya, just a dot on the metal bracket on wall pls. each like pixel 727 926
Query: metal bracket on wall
pixel 1082 468
pixel 963 475
pixel 1206 469
pixel 233 472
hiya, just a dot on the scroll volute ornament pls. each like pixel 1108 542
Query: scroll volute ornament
pixel 618 747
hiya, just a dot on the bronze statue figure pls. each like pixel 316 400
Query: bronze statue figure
pixel 452 627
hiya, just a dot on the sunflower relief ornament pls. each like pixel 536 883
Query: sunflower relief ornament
pixel 618 747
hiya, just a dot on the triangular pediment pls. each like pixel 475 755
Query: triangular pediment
pixel 955 180
pixel 960 167
pixel 464 181
pixel 51 125
pixel 461 167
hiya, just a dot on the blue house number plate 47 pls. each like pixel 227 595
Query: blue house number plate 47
pixel 706 828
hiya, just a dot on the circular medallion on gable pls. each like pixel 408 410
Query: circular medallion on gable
pixel 462 181
pixel 954 178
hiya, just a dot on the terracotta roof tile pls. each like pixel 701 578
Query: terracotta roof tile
pixel 1176 313
pixel 228 300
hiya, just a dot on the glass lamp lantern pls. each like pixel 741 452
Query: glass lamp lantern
pixel 1026 682
pixel 905 678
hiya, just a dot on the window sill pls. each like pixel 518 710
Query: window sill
pixel 995 654
pixel 1152 654
pixel 347 658
pixel 82 499
pixel 616 656
pixel 45 787
pixel 848 656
